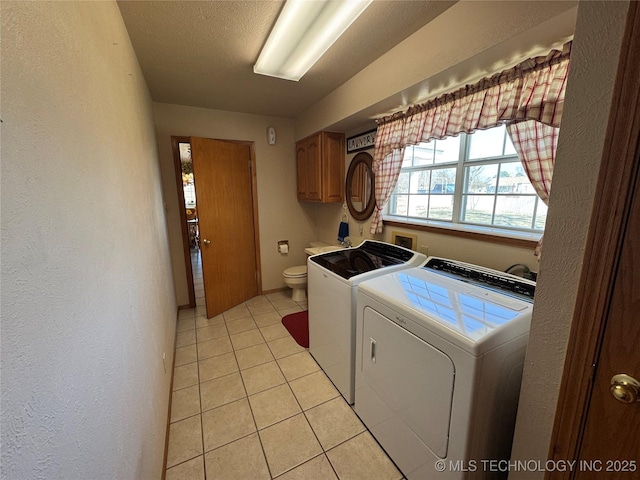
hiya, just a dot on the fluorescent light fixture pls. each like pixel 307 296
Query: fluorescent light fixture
pixel 303 32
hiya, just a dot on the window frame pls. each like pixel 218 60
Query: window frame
pixel 456 223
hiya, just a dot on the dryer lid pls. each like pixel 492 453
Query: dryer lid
pixel 474 318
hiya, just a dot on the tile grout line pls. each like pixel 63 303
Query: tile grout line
pixel 199 401
pixel 204 464
pixel 255 423
pixel 239 372
pixel 288 383
pixel 257 431
pixel 301 411
pixel 264 453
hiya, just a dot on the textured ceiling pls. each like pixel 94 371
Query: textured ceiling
pixel 201 53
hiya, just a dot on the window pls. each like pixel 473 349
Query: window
pixel 472 179
pixel 187 175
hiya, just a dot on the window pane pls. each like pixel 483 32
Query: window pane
pixel 487 143
pixel 481 179
pixel 478 209
pixel 399 204
pixel 423 154
pixel 185 152
pixel 447 150
pixel 418 205
pixel 541 216
pixel 443 181
pixel 419 182
pixel 403 183
pixel 408 157
pixel 509 149
pixel 441 207
pixel 513 179
pixel 514 211
pixel 189 195
pixel 495 188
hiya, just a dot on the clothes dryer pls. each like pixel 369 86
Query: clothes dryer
pixel 439 357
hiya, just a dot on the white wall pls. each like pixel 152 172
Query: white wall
pixel 281 217
pixel 87 298
pixel 594 60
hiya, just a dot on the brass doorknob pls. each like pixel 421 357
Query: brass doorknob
pixel 625 389
pixel 206 242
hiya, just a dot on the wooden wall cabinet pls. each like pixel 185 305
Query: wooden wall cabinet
pixel 320 165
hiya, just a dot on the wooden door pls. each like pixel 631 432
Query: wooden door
pixel 223 182
pixel 591 426
pixel 611 429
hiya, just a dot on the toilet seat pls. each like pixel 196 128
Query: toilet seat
pixel 296 272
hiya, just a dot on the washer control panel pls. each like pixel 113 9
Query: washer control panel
pixel 483 277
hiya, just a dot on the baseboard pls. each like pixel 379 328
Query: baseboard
pixel 166 435
pixel 275 290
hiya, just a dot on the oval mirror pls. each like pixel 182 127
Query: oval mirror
pixel 360 187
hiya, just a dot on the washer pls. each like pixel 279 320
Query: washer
pixel 333 280
pixel 439 357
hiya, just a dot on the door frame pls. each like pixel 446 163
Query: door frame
pixel 175 140
pixel 614 192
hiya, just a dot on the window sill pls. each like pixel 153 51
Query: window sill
pixel 474 232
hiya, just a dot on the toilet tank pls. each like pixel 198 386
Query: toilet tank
pixel 318 244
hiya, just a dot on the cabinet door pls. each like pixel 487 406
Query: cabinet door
pixel 301 165
pixel 314 169
pixel 333 167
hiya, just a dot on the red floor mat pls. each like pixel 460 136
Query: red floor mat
pixel 298 326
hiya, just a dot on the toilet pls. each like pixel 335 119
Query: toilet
pixel 296 279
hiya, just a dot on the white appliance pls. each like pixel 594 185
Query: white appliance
pixel 439 357
pixel 333 279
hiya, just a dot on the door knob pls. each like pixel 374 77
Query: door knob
pixel 625 389
pixel 206 242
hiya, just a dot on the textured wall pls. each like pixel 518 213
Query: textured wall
pixel 594 60
pixel 87 297
pixel 281 217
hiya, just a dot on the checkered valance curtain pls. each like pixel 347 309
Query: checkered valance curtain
pixel 529 98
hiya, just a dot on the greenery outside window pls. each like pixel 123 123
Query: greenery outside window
pixel 471 179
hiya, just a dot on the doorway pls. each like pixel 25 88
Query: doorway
pixel 217 192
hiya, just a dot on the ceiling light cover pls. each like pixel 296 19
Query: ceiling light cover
pixel 303 32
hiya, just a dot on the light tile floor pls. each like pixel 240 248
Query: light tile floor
pixel 250 403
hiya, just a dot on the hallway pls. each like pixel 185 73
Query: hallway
pixel 250 403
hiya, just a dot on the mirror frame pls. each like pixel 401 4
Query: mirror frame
pixel 367 160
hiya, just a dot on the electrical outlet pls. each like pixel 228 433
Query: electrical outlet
pixel 424 249
pixel 164 361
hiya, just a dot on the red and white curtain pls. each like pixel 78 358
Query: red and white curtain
pixel 529 98
pixel 387 162
pixel 536 145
